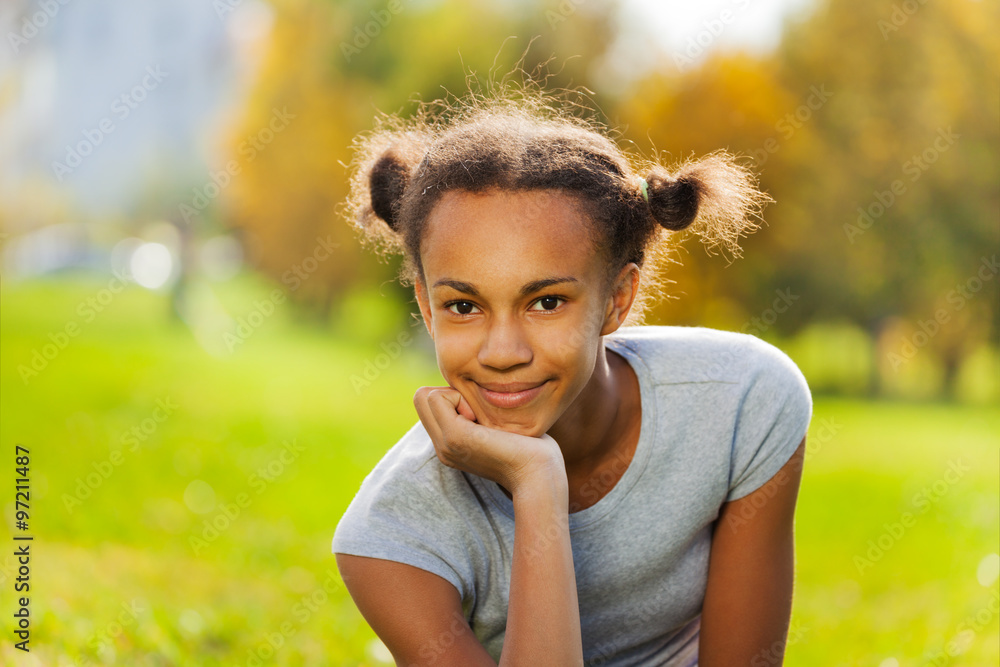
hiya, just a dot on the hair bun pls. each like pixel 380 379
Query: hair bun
pixel 673 201
pixel 386 182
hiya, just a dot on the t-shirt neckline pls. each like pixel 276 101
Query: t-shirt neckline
pixel 647 429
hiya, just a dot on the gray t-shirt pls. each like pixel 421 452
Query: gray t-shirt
pixel 721 413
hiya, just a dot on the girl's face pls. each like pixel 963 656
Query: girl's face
pixel 514 296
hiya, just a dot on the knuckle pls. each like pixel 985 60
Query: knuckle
pixel 447 456
pixel 452 452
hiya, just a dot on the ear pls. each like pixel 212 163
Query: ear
pixel 423 301
pixel 623 293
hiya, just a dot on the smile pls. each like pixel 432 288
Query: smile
pixel 511 395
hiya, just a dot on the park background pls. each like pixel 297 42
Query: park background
pixel 204 363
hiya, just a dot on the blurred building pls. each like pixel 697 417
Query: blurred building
pixel 118 104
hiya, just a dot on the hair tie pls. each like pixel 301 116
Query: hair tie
pixel 644 186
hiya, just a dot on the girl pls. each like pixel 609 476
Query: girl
pixel 583 491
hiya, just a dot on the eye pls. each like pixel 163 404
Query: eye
pixel 460 307
pixel 547 303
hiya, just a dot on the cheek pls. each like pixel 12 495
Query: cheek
pixel 454 352
pixel 575 355
pixel 576 347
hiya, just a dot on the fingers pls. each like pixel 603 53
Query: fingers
pixel 457 400
pixel 461 442
pixel 443 411
pixel 465 410
pixel 443 404
pixel 451 395
pixel 421 401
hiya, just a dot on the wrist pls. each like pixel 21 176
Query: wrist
pixel 544 480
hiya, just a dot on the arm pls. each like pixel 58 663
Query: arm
pixel 543 617
pixel 748 598
pixel 418 615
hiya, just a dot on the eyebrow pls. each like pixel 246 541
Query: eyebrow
pixel 528 288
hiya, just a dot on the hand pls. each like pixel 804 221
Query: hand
pixel 510 459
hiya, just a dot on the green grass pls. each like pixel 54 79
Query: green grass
pixel 260 581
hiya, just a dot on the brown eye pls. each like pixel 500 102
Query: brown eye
pixel 461 307
pixel 548 303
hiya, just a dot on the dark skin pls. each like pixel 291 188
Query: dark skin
pixel 494 321
pixel 485 329
pixel 592 477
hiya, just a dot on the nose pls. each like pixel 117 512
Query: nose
pixel 505 344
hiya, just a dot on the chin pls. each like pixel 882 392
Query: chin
pixel 525 426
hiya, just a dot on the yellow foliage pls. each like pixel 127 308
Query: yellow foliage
pixel 292 145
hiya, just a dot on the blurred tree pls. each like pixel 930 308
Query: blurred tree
pixel 912 216
pixel 289 147
pixel 730 102
pixel 876 131
pixel 329 68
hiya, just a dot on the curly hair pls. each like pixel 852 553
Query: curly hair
pixel 533 140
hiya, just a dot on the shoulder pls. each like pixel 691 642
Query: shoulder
pixel 410 471
pixel 747 392
pixel 675 354
pixel 410 508
pixel 409 456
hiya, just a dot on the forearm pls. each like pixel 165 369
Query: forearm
pixel 751 570
pixel 745 617
pixel 543 616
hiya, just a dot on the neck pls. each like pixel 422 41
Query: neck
pixel 590 428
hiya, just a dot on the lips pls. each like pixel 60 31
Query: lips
pixel 510 395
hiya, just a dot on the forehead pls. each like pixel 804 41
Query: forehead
pixel 501 235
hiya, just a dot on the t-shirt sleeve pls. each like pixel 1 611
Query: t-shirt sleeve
pixel 771 421
pixel 402 513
